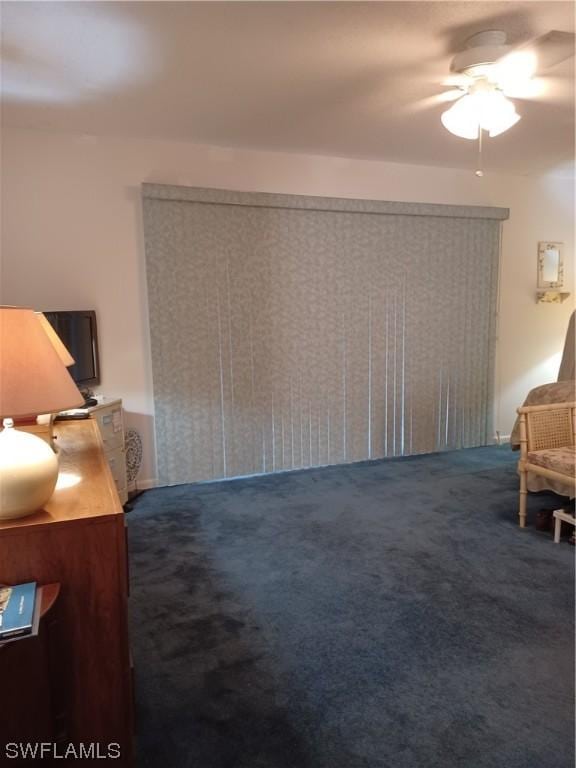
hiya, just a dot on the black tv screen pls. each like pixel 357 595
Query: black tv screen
pixel 77 330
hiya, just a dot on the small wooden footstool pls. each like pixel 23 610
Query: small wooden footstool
pixel 561 516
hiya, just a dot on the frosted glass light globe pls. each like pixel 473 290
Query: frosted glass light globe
pixel 462 119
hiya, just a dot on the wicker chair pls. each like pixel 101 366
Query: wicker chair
pixel 547 447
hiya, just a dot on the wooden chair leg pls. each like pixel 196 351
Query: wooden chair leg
pixel 523 494
pixel 557 527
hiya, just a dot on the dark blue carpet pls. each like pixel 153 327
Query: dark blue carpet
pixel 380 615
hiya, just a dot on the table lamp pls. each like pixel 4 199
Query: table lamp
pixel 33 380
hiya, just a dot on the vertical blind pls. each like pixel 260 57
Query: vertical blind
pixel 291 331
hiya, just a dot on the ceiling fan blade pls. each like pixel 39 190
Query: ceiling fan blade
pixel 451 95
pixel 531 88
pixel 553 48
pixel 433 101
pixel 458 80
pixel 550 49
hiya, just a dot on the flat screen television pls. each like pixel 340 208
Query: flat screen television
pixel 78 332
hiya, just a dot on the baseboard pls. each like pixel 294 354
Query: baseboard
pixel 145 484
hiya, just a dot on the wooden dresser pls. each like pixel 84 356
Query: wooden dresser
pixel 79 541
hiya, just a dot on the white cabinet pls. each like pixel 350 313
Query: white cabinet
pixel 110 419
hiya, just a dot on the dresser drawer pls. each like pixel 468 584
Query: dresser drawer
pixel 110 424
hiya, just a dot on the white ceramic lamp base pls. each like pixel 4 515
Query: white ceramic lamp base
pixel 28 473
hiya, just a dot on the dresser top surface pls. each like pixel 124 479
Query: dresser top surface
pixel 85 488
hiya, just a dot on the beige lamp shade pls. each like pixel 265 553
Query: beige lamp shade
pixel 63 353
pixel 33 378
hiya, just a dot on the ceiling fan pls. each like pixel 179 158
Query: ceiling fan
pixel 489 72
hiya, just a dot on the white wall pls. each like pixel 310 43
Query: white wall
pixel 72 238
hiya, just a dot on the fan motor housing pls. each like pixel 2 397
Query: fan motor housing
pixel 482 49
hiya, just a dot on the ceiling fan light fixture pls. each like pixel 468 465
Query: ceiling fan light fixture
pixel 482 108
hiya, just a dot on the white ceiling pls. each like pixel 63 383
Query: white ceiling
pixel 352 79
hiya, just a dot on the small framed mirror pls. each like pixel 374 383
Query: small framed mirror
pixel 550 265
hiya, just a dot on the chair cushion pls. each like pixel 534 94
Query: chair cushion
pixel 561 460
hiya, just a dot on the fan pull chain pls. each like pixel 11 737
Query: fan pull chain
pixel 479 171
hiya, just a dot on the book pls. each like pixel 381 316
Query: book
pixel 18 614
